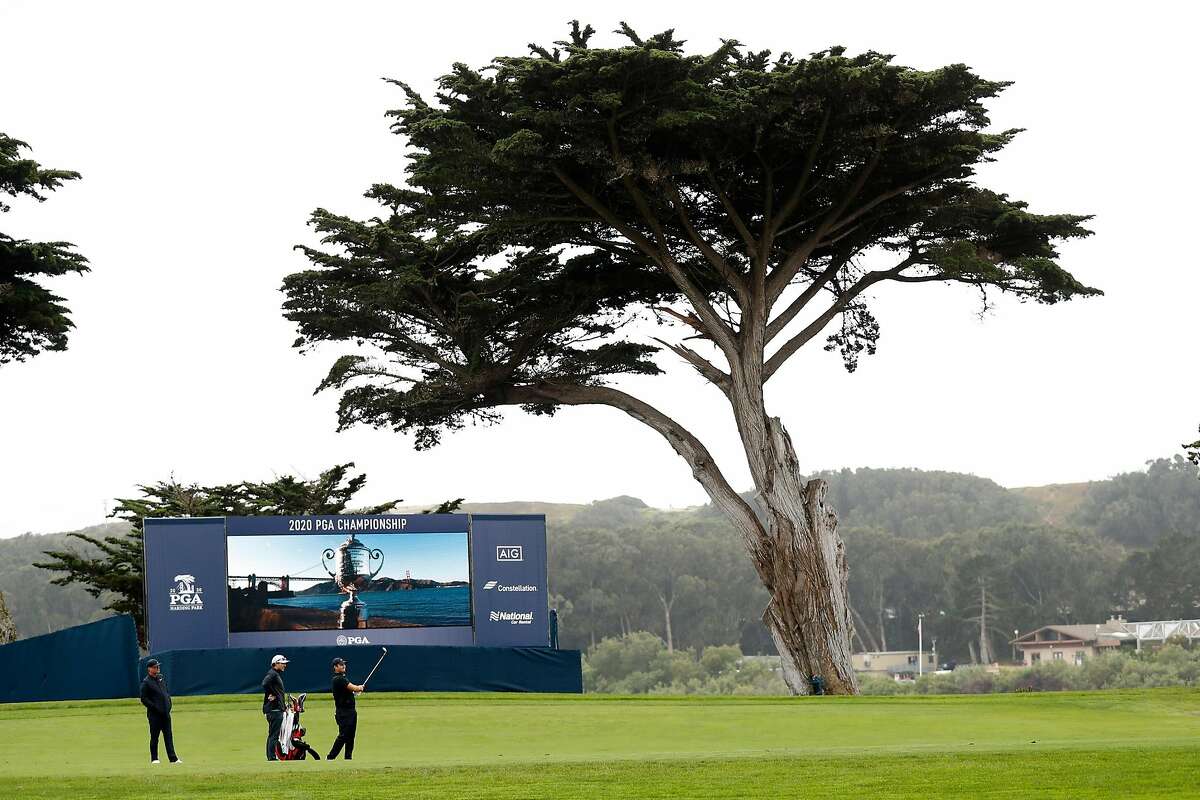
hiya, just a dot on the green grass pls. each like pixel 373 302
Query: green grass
pixel 1111 744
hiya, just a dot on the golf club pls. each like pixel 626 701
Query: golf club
pixel 377 663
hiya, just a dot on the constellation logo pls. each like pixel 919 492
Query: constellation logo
pixel 500 587
pixel 512 617
pixel 185 594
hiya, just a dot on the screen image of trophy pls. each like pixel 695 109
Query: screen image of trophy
pixel 352 559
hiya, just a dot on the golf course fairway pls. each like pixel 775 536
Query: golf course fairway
pixel 1123 744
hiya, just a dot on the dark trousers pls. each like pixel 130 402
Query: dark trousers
pixel 274 723
pixel 347 722
pixel 161 723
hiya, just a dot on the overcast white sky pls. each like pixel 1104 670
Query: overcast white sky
pixel 207 133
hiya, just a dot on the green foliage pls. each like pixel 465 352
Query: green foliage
pixel 1193 452
pixel 552 197
pixel 639 663
pixel 32 319
pixel 612 560
pixel 922 504
pixel 118 571
pixel 37 605
pixel 1164 581
pixel 1137 508
pixel 1170 665
pixel 8 628
pixel 613 574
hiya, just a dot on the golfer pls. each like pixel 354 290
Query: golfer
pixel 157 701
pixel 344 713
pixel 274 697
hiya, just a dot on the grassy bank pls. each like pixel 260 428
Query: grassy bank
pixel 1110 744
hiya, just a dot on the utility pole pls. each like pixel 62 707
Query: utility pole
pixel 920 645
pixel 985 648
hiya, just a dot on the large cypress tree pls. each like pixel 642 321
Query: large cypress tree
pixel 749 201
pixel 32 318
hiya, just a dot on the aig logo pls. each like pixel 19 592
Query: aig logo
pixel 509 552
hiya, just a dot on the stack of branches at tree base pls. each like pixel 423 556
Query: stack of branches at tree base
pixel 749 202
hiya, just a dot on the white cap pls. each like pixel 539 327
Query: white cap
pixel 278 660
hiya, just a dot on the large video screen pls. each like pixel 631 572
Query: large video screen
pixel 303 582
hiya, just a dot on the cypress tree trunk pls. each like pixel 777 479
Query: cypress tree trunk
pixel 804 570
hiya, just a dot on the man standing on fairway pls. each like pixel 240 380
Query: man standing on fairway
pixel 274 696
pixel 344 713
pixel 157 701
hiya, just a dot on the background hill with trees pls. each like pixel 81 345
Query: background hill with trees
pixel 963 550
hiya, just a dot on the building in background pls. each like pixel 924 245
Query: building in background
pixel 1075 644
pixel 900 665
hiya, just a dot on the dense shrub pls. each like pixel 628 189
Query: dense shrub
pixel 1171 665
pixel 639 663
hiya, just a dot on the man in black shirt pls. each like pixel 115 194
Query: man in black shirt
pixel 274 698
pixel 157 701
pixel 343 710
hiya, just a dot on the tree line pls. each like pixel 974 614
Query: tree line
pixel 976 559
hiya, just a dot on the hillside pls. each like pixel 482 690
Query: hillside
pixel 589 541
pixel 1056 503
pixel 38 606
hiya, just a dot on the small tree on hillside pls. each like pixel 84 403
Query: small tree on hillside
pixel 32 318
pixel 1193 452
pixel 118 572
pixel 751 201
pixel 8 628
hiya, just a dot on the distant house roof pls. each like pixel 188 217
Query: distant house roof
pixel 1106 635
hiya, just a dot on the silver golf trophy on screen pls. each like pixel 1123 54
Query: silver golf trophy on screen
pixel 352 559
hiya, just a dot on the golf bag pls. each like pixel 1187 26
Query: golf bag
pixel 291 745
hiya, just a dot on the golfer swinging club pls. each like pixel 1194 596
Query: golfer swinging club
pixel 344 713
pixel 274 697
pixel 157 701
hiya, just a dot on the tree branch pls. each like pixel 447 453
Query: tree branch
pixel 783 275
pixel 816 326
pixel 719 331
pixel 732 212
pixel 883 198
pixel 693 451
pixel 705 367
pixel 775 326
pixel 810 159
pixel 719 264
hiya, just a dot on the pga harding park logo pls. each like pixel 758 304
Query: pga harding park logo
pixel 342 639
pixel 185 594
pixel 512 617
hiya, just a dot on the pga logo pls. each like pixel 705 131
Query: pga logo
pixel 185 594
pixel 509 552
pixel 344 640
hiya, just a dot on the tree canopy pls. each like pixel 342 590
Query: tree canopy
pixel 548 193
pixel 32 318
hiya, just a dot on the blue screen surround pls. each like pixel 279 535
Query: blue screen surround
pixel 188 592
